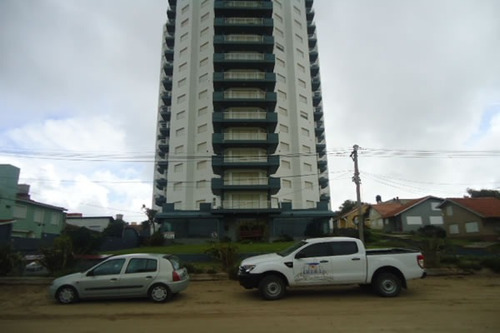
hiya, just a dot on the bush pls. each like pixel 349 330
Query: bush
pixel 157 239
pixel 492 263
pixel 8 260
pixel 59 256
pixel 227 254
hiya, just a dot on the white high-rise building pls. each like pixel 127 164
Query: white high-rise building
pixel 241 149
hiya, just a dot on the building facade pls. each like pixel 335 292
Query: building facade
pixel 241 149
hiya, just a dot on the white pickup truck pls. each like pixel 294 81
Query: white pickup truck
pixel 331 261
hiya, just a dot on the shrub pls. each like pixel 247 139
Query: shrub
pixel 8 259
pixel 59 256
pixel 157 239
pixel 492 263
pixel 227 254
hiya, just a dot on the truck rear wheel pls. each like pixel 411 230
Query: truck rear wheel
pixel 387 284
pixel 272 287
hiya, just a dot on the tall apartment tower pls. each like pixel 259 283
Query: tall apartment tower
pixel 241 149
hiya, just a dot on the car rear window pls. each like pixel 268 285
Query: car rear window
pixel 141 265
pixel 175 261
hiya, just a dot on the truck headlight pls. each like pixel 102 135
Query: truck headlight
pixel 247 268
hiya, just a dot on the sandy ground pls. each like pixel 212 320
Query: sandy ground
pixel 434 304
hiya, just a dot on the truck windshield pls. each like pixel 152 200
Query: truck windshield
pixel 292 248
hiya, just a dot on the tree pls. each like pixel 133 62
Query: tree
pixel 483 193
pixel 84 241
pixel 114 229
pixel 151 214
pixel 346 207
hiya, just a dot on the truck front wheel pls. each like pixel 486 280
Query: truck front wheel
pixel 387 285
pixel 272 287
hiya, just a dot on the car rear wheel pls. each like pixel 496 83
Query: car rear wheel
pixel 272 287
pixel 159 293
pixel 66 295
pixel 387 285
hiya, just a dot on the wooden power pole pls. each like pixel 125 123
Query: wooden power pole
pixel 357 180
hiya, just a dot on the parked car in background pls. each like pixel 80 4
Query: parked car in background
pixel 157 276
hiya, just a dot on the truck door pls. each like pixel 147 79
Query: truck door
pixel 312 265
pixel 348 263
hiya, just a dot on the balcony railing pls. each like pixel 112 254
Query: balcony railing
pixel 246 204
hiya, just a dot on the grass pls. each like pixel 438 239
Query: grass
pixel 202 248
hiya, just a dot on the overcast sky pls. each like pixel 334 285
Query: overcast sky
pixel 416 84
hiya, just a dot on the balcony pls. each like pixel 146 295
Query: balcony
pixel 228 79
pixel 309 13
pixel 311 28
pixel 315 83
pixel 168 68
pixel 318 113
pixel 169 54
pixel 160 200
pixel 171 26
pixel 164 128
pixel 162 166
pixel 322 165
pixel 314 69
pixel 321 149
pixel 165 112
pixel 319 132
pixel 166 97
pixel 270 184
pixel 313 55
pixel 269 141
pixel 163 145
pixel 229 98
pixel 258 25
pixel 260 43
pixel 222 163
pixel 243 8
pixel 324 197
pixel 171 12
pixel 323 182
pixel 161 183
pixel 246 204
pixel 247 60
pixel 167 82
pixel 170 40
pixel 265 119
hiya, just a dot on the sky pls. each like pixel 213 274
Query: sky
pixel 415 84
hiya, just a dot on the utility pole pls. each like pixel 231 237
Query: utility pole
pixel 357 180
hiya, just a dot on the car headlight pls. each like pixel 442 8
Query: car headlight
pixel 247 268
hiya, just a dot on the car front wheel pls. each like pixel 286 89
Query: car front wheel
pixel 66 295
pixel 272 287
pixel 159 293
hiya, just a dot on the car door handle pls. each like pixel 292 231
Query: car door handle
pixel 149 277
pixel 355 259
pixel 323 261
pixel 113 279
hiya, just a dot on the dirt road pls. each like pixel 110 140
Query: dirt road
pixel 435 304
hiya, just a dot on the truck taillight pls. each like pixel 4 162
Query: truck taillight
pixel 420 260
pixel 176 276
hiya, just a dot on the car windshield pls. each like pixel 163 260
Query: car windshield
pixel 292 248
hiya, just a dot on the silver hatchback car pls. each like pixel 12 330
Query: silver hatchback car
pixel 157 276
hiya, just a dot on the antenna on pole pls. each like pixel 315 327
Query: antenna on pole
pixel 357 180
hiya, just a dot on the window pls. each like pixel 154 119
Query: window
pixel 285 147
pixel 287 183
pixel 306 149
pixel 449 210
pixel 204 62
pixel 178 167
pixel 203 94
pixel 204 32
pixel 282 111
pixel 202 128
pixel 308 167
pixel 179 149
pixel 280 78
pixel 183 52
pixel 434 206
pixel 201 165
pixel 109 267
pixel 308 185
pixel 184 37
pixel 280 62
pixel 204 47
pixel 414 220
pixel 344 248
pixel 182 82
pixel 177 186
pixel 298 38
pixel 296 10
pixel 298 24
pixel 202 111
pixel 471 227
pixel 182 67
pixel 285 164
pixel 281 94
pixel 139 265
pixel 54 219
pixel 38 216
pixel 283 128
pixel 201 184
pixel 310 204
pixel 185 23
pixel 181 99
pixel 279 32
pixel 453 229
pixel 315 250
pixel 304 115
pixel 302 83
pixel 20 212
pixel 436 219
pixel 205 17
pixel 180 132
pixel 304 131
pixel 301 53
pixel 185 9
pixel 278 18
pixel 203 78
pixel 180 115
pixel 302 69
pixel 303 99
pixel 280 47
pixel 201 147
